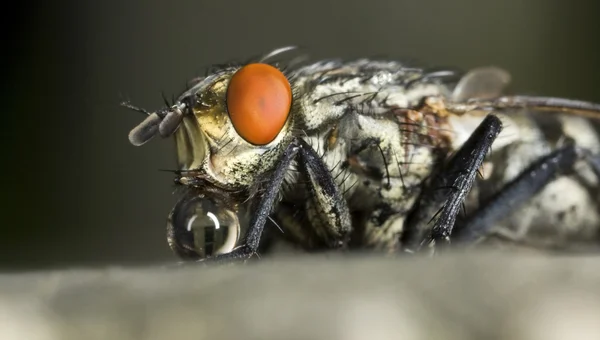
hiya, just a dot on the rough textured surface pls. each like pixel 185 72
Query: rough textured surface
pixel 480 296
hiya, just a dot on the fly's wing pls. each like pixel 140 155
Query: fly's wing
pixel 532 103
pixel 482 83
pixel 482 89
pixel 552 104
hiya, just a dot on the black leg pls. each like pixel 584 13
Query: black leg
pixel 263 209
pixel 519 190
pixel 324 192
pixel 326 197
pixel 444 195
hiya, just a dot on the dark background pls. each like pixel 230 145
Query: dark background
pixel 76 193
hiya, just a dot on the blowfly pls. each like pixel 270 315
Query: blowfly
pixel 378 155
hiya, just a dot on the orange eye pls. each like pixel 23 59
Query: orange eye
pixel 259 98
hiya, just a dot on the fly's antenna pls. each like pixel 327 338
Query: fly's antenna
pixel 128 105
pixel 164 122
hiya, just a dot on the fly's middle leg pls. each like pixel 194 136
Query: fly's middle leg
pixel 326 199
pixel 436 212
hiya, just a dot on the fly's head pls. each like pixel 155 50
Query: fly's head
pixel 229 127
pixel 237 126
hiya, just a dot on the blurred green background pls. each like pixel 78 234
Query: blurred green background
pixel 76 193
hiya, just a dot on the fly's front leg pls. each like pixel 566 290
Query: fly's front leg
pixel 264 208
pixel 445 194
pixel 181 241
pixel 530 182
pixel 326 195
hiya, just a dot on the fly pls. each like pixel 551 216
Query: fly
pixel 374 154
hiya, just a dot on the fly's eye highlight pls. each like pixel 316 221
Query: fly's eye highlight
pixel 259 99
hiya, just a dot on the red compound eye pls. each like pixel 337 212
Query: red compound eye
pixel 259 98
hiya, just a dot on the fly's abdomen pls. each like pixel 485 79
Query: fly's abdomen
pixel 565 212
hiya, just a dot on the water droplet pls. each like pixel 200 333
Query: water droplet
pixel 204 228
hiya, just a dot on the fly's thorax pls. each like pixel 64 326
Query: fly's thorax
pixel 211 147
pixel 380 161
pixel 330 90
pixel 354 114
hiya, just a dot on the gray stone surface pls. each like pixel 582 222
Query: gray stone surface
pixel 476 296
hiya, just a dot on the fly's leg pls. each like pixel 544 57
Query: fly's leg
pixel 530 182
pixel 326 198
pixel 445 193
pixel 325 193
pixel 182 242
pixel 262 210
